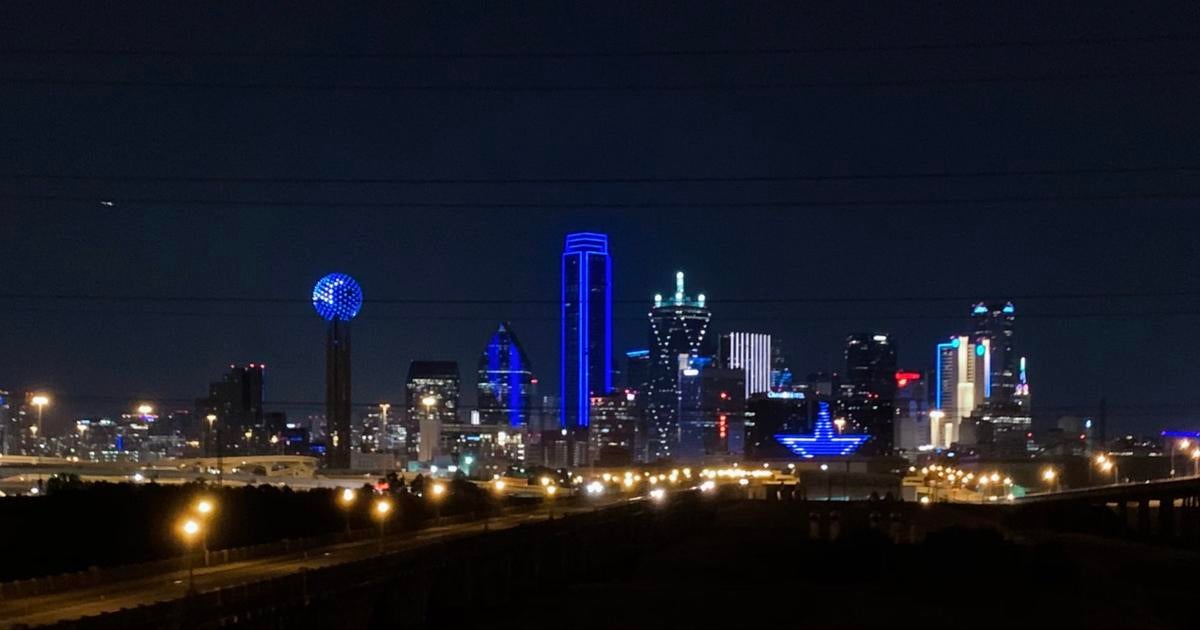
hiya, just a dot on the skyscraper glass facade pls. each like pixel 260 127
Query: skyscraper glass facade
pixel 505 380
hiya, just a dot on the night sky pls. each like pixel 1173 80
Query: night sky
pixel 243 148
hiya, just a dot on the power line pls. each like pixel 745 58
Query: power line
pixel 893 299
pixel 685 179
pixel 110 201
pixel 607 54
pixel 589 88
pixel 725 317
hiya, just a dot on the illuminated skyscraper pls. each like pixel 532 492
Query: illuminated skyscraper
pixel 237 402
pixel 869 388
pixel 432 397
pixel 678 327
pixel 994 323
pixel 337 298
pixel 505 380
pixel 751 353
pixel 586 368
pixel 956 390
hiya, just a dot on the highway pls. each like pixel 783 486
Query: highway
pixel 109 597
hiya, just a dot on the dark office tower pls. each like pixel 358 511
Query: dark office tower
pixel 869 389
pixel 237 402
pixel 505 380
pixel 586 368
pixel 613 435
pixel 712 414
pixel 993 329
pixel 678 327
pixel 637 369
pixel 337 298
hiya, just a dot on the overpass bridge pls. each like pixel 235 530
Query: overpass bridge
pixel 1166 509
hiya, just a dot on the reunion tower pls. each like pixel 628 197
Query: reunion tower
pixel 337 299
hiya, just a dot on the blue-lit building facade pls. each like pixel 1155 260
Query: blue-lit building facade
pixel 825 440
pixel 506 381
pixel 586 368
pixel 678 337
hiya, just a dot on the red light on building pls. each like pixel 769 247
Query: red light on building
pixel 533 381
pixel 724 396
pixel 904 378
pixel 721 425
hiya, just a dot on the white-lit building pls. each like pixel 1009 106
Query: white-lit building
pixel 751 353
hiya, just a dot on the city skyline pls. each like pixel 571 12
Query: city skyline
pixel 625 328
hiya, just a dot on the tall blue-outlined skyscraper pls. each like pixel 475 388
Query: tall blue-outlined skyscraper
pixel 586 367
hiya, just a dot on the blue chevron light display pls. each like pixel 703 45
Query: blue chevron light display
pixel 824 440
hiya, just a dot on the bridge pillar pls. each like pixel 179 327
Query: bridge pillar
pixel 1123 515
pixel 1166 517
pixel 1189 525
pixel 1143 518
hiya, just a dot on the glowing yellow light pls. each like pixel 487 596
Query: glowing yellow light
pixel 40 400
pixel 545 481
pixel 205 507
pixel 144 409
pixel 498 485
pixel 382 508
pixel 1049 474
pixel 551 490
pixel 429 401
pixel 190 528
pixel 438 489
pixel 348 496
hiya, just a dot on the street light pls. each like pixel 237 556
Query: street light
pixel 212 421
pixel 189 530
pixel 40 401
pixel 144 409
pixel 1108 465
pixel 346 499
pixel 435 494
pixel 382 508
pixel 205 508
pixel 1050 476
pixel 550 492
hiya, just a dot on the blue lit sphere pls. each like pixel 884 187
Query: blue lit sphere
pixel 337 296
pixel 980 350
